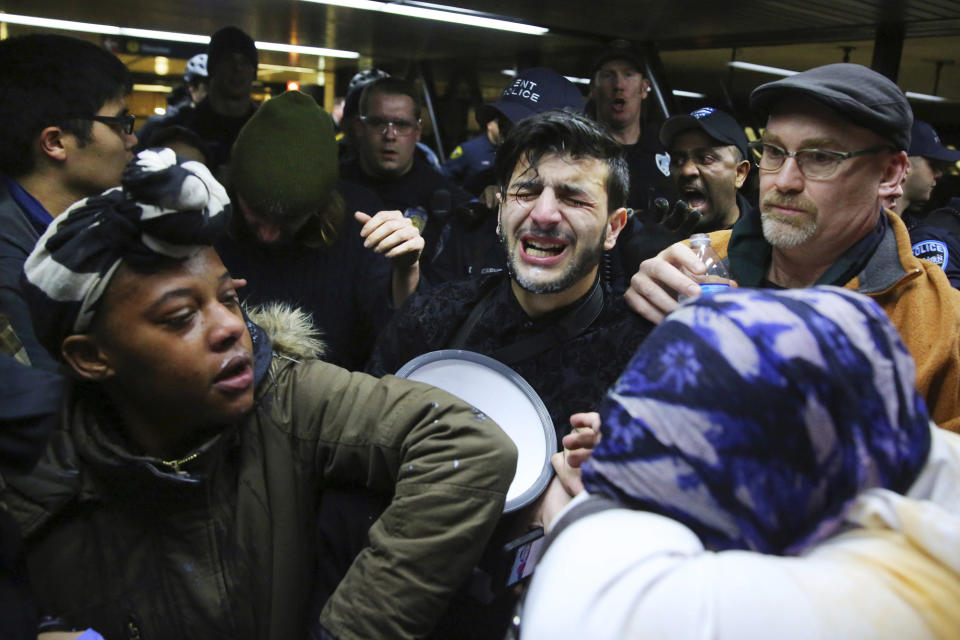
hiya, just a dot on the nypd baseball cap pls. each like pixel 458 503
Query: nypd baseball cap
pixel 533 91
pixel 855 92
pixel 717 124
pixel 925 142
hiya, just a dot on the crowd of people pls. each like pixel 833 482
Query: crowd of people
pixel 201 432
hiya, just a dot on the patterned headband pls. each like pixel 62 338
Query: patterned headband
pixel 163 209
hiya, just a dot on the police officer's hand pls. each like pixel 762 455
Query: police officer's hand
pixel 392 235
pixel 679 218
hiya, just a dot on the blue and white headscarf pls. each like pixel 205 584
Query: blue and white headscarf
pixel 164 208
pixel 755 417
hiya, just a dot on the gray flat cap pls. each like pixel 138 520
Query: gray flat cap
pixel 857 93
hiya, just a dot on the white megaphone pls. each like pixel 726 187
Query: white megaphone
pixel 503 395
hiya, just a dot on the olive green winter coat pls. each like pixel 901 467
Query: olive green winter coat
pixel 224 549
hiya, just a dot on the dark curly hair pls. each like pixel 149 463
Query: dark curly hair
pixel 567 133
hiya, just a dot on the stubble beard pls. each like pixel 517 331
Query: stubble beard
pixel 573 273
pixel 787 232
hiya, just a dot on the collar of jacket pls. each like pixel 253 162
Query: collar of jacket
pixel 885 268
pixel 874 261
pixel 89 434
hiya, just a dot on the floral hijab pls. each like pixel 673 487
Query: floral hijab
pixel 755 417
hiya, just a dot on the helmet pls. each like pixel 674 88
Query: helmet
pixel 351 104
pixel 196 66
pixel 364 78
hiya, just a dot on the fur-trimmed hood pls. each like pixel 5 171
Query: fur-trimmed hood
pixel 290 329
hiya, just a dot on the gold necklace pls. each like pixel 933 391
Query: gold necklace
pixel 175 464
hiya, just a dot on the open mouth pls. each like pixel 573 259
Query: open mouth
pixel 619 104
pixel 236 374
pixel 542 251
pixel 695 197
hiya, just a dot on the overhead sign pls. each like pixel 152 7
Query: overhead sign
pixel 144 47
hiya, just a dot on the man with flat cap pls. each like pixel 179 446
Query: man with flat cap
pixel 834 146
pixel 709 164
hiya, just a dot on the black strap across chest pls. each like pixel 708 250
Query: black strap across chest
pixel 571 324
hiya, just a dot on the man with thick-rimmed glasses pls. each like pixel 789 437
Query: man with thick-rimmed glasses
pixel 65 134
pixel 386 162
pixel 834 146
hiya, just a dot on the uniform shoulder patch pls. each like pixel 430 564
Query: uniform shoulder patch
pixel 934 251
pixel 663 163
pixel 456 153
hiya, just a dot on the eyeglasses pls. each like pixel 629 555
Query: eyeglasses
pixel 381 125
pixel 122 123
pixel 815 164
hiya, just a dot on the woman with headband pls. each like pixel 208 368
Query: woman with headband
pixel 178 497
pixel 766 470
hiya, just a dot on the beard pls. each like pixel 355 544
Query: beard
pixel 787 232
pixel 579 267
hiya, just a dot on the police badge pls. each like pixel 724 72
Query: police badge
pixel 663 163
pixel 933 251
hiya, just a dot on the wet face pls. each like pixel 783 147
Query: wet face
pixel 554 223
pixel 98 165
pixel 618 89
pixel 176 348
pixel 233 76
pixel 921 178
pixel 834 212
pixel 387 149
pixel 707 174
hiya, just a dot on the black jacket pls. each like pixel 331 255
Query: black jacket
pixel 570 376
pixel 17 239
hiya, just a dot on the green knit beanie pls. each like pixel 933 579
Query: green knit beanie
pixel 284 162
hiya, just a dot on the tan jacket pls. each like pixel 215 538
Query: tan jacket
pixel 920 302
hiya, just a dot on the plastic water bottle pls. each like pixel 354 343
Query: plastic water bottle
pixel 712 281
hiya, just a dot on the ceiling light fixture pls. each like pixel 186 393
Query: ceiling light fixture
pixel 926 97
pixel 152 88
pixel 282 67
pixel 437 12
pixel 762 68
pixel 688 94
pixel 298 48
pixel 171 36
